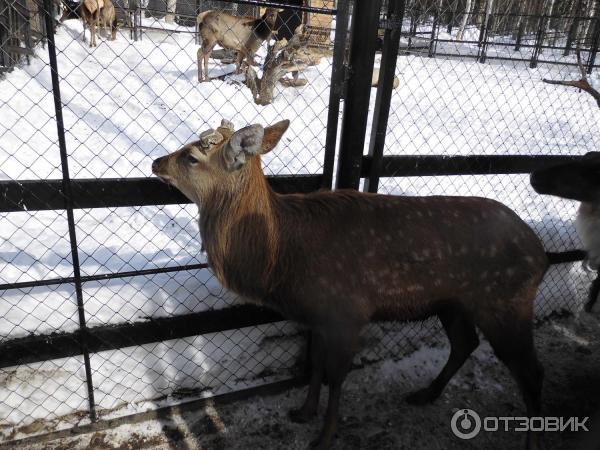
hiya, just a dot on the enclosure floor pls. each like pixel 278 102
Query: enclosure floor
pixel 374 413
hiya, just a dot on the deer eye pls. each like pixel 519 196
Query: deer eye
pixel 191 160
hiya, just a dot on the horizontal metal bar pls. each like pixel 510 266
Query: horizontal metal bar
pixel 275 4
pixel 435 165
pixel 566 257
pixel 274 388
pixel 36 348
pixel 103 276
pixel 43 195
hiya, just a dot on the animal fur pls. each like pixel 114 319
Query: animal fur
pixel 240 33
pixel 334 261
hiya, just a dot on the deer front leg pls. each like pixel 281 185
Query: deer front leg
pixel 317 359
pixel 341 343
pixel 93 33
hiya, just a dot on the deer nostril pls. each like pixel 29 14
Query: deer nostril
pixel 155 164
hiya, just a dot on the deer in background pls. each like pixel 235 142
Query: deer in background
pixel 240 33
pixel 92 13
pixel 579 180
pixel 334 261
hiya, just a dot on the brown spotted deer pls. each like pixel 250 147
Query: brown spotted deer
pixel 334 261
pixel 240 33
pixel 92 13
pixel 578 180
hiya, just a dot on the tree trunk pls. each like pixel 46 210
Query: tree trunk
pixel 465 19
pixel 171 7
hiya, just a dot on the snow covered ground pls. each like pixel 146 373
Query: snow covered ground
pixel 127 103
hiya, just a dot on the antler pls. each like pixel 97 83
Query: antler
pixel 582 83
pixel 209 137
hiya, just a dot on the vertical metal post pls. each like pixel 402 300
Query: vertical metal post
pixel 389 57
pixel 539 41
pixel 489 21
pixel 338 74
pixel 434 30
pixel 66 186
pixel 573 29
pixel 363 44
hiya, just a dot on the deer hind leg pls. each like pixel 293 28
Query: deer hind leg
pixel 93 34
pixel 463 341
pixel 202 55
pixel 511 337
pixel 239 57
pixel 114 29
pixel 317 357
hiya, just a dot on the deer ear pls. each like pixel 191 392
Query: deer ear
pixel 242 144
pixel 273 135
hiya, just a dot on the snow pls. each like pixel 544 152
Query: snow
pixel 127 103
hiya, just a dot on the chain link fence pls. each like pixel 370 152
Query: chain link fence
pixel 101 262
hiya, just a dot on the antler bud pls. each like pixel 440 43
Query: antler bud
pixel 210 137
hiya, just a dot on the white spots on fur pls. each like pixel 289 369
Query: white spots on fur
pixel 415 288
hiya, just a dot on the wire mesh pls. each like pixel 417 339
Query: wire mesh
pixel 128 101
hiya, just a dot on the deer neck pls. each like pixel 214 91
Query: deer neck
pixel 239 233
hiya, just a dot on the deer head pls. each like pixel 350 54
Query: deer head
pixel 220 159
pixel 578 180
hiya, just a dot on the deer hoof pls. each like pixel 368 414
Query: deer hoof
pixel 300 415
pixel 421 397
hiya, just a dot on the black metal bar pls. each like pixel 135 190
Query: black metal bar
pixel 489 20
pixel 434 30
pixel 274 4
pixel 44 347
pixel 363 43
pixel 99 277
pixel 573 29
pixel 539 40
pixel 336 91
pixel 412 166
pixel 391 43
pixel 66 188
pixel 40 195
pixel 566 257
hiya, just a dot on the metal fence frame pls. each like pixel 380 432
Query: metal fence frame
pixel 351 82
